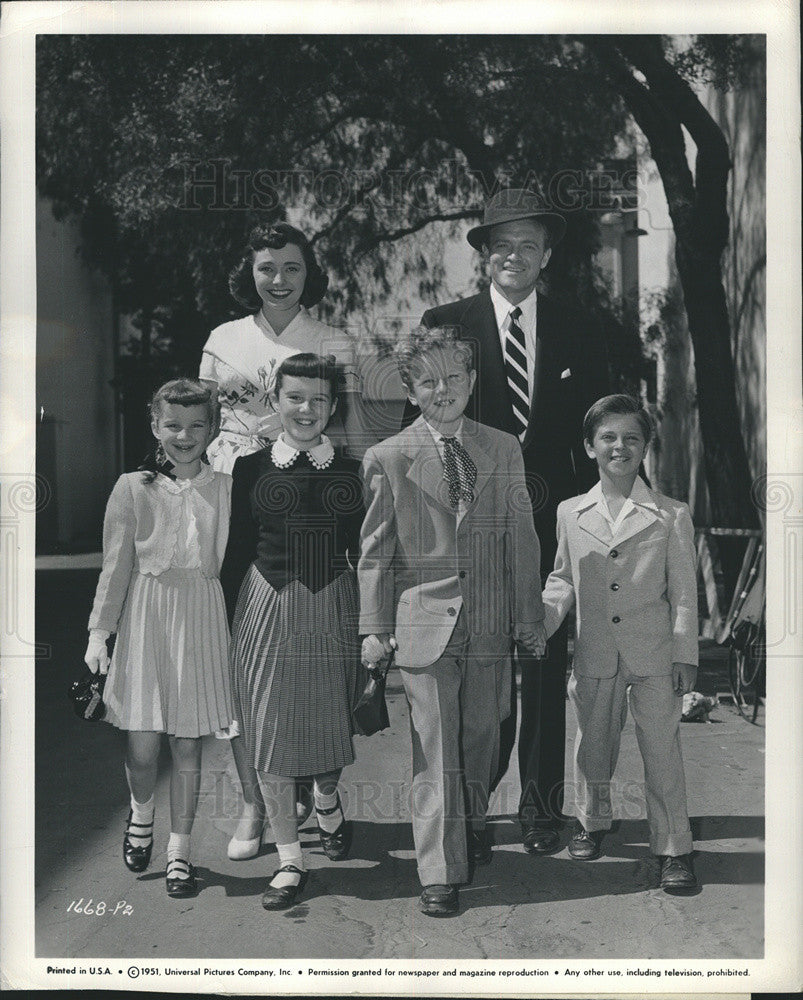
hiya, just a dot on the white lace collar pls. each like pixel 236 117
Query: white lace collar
pixel 206 475
pixel 284 455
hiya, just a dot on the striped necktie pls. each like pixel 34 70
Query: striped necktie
pixel 516 369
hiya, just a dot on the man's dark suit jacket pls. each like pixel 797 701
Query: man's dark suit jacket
pixel 571 372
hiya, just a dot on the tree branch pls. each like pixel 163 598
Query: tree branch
pixel 366 246
pixel 713 162
pixel 400 155
pixel 445 119
pixel 646 53
pixel 662 130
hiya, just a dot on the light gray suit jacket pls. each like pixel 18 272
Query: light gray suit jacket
pixel 418 566
pixel 635 590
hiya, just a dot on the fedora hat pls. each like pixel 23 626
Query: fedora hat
pixel 510 205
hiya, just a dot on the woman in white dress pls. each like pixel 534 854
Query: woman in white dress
pixel 276 280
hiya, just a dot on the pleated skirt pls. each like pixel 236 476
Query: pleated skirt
pixel 169 672
pixel 296 674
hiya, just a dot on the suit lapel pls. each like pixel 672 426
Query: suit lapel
pixel 640 517
pixel 590 520
pixel 637 520
pixel 473 442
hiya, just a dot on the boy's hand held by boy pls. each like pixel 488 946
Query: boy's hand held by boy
pixel 534 639
pixel 97 656
pixel 683 677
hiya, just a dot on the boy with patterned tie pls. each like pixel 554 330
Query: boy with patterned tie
pixel 449 576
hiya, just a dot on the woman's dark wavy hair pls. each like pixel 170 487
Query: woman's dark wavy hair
pixel 183 392
pixel 274 237
pixel 310 366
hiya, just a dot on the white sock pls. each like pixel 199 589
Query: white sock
pixel 178 846
pixel 331 822
pixel 289 854
pixel 141 813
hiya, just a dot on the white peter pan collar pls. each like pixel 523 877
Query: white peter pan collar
pixel 284 455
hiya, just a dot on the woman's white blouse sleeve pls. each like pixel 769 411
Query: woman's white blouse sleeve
pixel 208 369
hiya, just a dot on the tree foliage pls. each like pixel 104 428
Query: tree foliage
pixel 379 146
pixel 168 148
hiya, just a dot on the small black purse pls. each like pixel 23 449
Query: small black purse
pixel 86 695
pixel 370 714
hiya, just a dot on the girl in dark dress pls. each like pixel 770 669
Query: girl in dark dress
pixel 291 593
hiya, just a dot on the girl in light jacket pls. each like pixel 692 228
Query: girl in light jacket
pixel 164 536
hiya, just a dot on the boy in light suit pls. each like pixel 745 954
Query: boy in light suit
pixel 449 577
pixel 626 563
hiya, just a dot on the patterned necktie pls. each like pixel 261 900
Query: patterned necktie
pixel 516 369
pixel 459 471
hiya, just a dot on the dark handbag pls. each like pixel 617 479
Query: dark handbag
pixel 86 695
pixel 370 714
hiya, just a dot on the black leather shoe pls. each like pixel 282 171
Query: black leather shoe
pixel 585 844
pixel 479 847
pixel 439 900
pixel 677 874
pixel 283 898
pixel 138 858
pixel 540 840
pixel 336 845
pixel 180 888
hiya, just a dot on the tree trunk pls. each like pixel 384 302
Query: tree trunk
pixel 724 458
pixel 698 209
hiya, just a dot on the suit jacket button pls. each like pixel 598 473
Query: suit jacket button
pixel 451 611
pixel 614 553
pixel 616 619
pixel 462 574
pixel 614 586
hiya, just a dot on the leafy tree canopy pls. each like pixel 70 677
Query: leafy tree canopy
pixel 169 148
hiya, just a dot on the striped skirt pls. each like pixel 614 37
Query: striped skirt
pixel 169 671
pixel 296 674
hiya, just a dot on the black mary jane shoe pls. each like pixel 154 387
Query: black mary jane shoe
pixel 336 845
pixel 283 897
pixel 137 858
pixel 180 887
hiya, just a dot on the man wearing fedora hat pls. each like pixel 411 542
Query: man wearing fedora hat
pixel 539 368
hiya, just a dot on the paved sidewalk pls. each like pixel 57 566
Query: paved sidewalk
pixel 519 907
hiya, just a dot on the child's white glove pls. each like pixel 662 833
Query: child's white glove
pixel 97 656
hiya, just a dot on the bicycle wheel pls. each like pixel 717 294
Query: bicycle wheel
pixel 744 675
